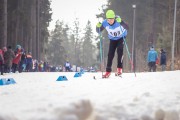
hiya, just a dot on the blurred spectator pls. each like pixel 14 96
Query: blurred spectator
pixel 1 62
pixel 29 62
pixel 67 66
pixel 151 59
pixel 23 62
pixel 60 68
pixel 18 53
pixel 163 60
pixel 35 65
pixel 8 57
pixel 46 67
pixel 2 65
pixel 41 66
pixel 4 50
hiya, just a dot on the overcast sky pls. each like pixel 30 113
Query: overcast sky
pixel 68 10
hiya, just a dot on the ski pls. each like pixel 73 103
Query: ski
pixel 118 75
pixel 96 78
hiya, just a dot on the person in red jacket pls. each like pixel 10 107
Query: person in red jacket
pixel 16 60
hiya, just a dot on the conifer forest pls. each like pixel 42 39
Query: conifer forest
pixel 26 22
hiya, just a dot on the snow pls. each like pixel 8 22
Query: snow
pixel 38 96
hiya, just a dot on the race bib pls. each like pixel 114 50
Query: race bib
pixel 117 32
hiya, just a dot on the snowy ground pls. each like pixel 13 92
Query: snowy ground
pixel 38 96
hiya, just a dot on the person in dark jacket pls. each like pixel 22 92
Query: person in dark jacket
pixel 1 62
pixel 67 66
pixel 29 62
pixel 2 59
pixel 163 60
pixel 8 58
pixel 23 62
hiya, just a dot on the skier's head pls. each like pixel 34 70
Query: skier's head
pixel 162 51
pixel 29 53
pixel 9 47
pixel 18 47
pixel 151 48
pixel 110 14
pixel 4 49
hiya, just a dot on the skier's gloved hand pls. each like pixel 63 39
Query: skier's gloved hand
pixel 118 19
pixel 98 24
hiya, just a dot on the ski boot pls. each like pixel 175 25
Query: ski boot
pixel 106 75
pixel 119 72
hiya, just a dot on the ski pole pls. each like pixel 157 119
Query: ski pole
pixel 132 65
pixel 100 37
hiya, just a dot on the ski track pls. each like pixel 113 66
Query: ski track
pixel 38 96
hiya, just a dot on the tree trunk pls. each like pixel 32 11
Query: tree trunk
pixel 37 30
pixel 5 24
pixel 34 28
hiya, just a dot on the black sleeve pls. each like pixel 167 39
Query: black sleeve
pixel 98 30
pixel 125 25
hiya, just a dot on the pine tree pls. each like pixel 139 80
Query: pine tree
pixel 88 47
pixel 77 42
pixel 56 52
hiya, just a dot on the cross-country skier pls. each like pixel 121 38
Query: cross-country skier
pixel 117 29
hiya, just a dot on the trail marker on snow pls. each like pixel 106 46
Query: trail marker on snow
pixel 7 81
pixel 82 72
pixel 77 74
pixel 62 78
